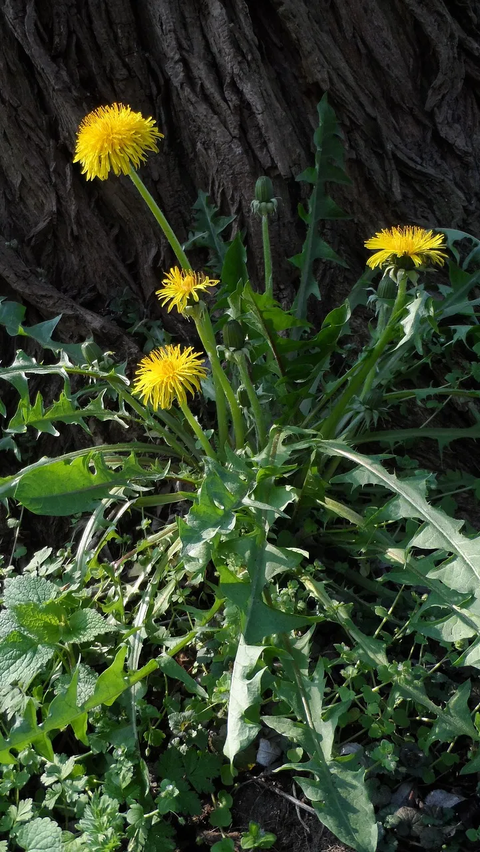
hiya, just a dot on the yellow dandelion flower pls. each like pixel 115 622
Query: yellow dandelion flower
pixel 395 245
pixel 182 284
pixel 166 374
pixel 114 137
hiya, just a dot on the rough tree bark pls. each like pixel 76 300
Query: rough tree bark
pixel 233 85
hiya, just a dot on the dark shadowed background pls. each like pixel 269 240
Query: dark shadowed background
pixel 233 86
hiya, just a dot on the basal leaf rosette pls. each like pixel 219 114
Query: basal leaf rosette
pixel 181 287
pixel 114 138
pixel 407 247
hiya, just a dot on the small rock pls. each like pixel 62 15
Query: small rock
pixel 268 752
pixel 442 799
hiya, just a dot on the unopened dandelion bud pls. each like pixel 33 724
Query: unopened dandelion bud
pixel 264 203
pixel 264 189
pixel 387 289
pixel 233 335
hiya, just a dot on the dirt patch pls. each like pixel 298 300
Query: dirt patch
pixel 297 830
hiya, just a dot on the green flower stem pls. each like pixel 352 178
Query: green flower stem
pixel 146 416
pixel 219 392
pixel 241 363
pixel 267 257
pixel 174 424
pixel 206 335
pixel 329 426
pixel 221 413
pixel 381 326
pixel 162 221
pixel 196 428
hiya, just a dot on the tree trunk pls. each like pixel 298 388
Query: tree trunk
pixel 233 85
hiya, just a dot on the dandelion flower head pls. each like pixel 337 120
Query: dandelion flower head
pixel 181 285
pixel 114 137
pixel 167 374
pixel 395 245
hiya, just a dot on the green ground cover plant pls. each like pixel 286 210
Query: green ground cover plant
pixel 262 557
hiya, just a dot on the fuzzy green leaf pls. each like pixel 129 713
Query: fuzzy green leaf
pixel 29 589
pixel 85 625
pixel 21 658
pixel 42 623
pixel 40 835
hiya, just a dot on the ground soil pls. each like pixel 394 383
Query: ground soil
pixel 264 801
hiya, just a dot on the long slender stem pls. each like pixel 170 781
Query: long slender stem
pixel 267 257
pixel 184 262
pixel 161 219
pixel 381 326
pixel 146 416
pixel 253 399
pixel 206 334
pixel 329 426
pixel 196 429
pixel 221 406
pixel 210 347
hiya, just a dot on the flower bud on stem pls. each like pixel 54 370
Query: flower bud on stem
pixel 267 258
pixel 264 205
